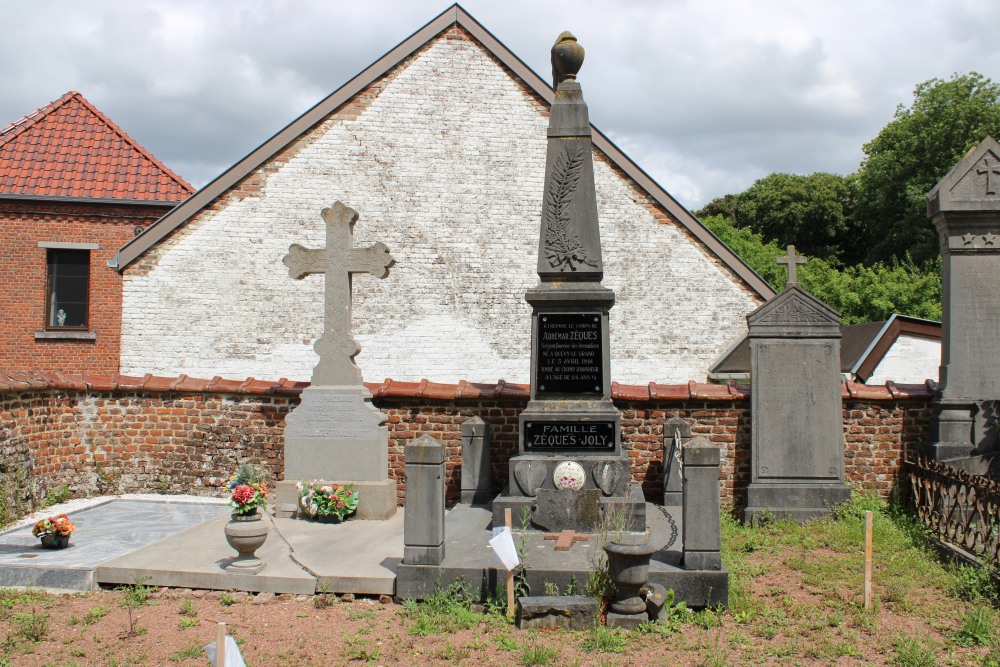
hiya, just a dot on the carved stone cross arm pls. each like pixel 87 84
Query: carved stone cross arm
pixel 791 259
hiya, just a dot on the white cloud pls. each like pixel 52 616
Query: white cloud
pixel 705 96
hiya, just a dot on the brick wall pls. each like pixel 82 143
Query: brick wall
pixel 181 435
pixel 23 223
pixel 444 159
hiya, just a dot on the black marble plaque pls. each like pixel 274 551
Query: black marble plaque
pixel 552 436
pixel 570 357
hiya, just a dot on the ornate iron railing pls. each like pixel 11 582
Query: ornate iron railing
pixel 960 508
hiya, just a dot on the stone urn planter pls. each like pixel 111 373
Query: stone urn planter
pixel 246 533
pixel 628 566
pixel 51 541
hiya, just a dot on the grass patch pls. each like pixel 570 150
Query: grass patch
pixel 445 611
pixel 537 654
pixel 602 639
pixel 911 652
pixel 189 653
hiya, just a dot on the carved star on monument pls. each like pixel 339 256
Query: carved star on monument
pixel 967 239
pixel 338 261
pixel 990 239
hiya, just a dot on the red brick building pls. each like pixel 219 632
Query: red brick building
pixel 74 188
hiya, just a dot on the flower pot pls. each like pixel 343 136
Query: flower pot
pixel 628 566
pixel 246 533
pixel 51 541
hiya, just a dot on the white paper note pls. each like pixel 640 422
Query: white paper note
pixel 503 547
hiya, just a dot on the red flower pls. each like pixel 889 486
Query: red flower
pixel 243 494
pixel 349 493
pixel 340 504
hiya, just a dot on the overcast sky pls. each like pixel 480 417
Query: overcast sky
pixel 706 95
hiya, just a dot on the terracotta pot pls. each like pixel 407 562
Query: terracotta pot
pixel 51 541
pixel 628 566
pixel 246 533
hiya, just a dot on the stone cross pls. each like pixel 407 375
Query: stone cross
pixel 791 259
pixel 339 260
pixel 990 171
pixel 566 538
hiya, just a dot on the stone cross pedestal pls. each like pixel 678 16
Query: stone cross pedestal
pixel 797 448
pixel 965 210
pixel 336 434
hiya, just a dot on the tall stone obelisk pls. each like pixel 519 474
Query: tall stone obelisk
pixel 569 462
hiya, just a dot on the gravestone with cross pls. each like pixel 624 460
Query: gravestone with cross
pixel 965 210
pixel 797 447
pixel 570 462
pixel 335 434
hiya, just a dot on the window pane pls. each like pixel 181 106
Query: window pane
pixel 69 284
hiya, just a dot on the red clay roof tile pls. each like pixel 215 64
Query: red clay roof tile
pixel 70 149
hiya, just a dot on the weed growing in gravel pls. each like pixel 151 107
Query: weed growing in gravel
pixel 136 595
pixel 188 608
pixel 603 639
pixel 192 652
pixel 911 652
pixel 94 614
pixel 227 600
pixel 978 627
pixel 537 654
pixel 444 611
pixel 33 626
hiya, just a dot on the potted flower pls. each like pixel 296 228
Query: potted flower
pixel 245 531
pixel 54 531
pixel 327 502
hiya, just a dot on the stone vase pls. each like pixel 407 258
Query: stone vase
pixel 50 541
pixel 246 533
pixel 628 566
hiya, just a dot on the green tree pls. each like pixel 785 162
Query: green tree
pixel 812 212
pixel 751 248
pixel 911 154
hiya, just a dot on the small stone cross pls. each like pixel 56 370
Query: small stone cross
pixel 339 260
pixel 566 538
pixel 791 259
pixel 990 171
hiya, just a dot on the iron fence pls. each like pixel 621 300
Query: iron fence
pixel 962 509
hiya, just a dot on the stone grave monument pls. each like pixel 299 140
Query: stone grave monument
pixel 965 210
pixel 797 447
pixel 336 434
pixel 570 463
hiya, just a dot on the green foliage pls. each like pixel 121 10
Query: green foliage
pixel 873 293
pixel 58 495
pixel 192 652
pixel 445 611
pixel 537 654
pixel 861 293
pixel 911 652
pixel 94 614
pixel 978 627
pixel 603 639
pixel 751 248
pixel 912 153
pixel 227 600
pixel 33 626
pixel 811 212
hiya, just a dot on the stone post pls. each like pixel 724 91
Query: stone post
pixel 423 521
pixel 475 461
pixel 676 433
pixel 702 523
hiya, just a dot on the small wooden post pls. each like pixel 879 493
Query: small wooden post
pixel 510 573
pixel 220 646
pixel 868 560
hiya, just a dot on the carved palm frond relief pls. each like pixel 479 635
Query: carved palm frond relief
pixel 563 248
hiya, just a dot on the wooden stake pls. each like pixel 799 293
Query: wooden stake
pixel 220 646
pixel 510 573
pixel 868 560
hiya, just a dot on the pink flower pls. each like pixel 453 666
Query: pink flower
pixel 243 494
pixel 340 503
pixel 349 493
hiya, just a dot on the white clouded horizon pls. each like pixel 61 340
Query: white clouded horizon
pixel 706 97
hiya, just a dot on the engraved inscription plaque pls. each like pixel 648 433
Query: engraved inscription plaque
pixel 545 436
pixel 570 357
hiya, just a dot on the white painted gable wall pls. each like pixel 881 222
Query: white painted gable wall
pixel 445 166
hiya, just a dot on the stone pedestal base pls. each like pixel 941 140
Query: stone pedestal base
pixel 632 507
pixel 799 501
pixel 377 500
pixel 953 428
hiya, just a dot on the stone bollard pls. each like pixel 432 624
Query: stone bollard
pixel 423 521
pixel 702 523
pixel 475 462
